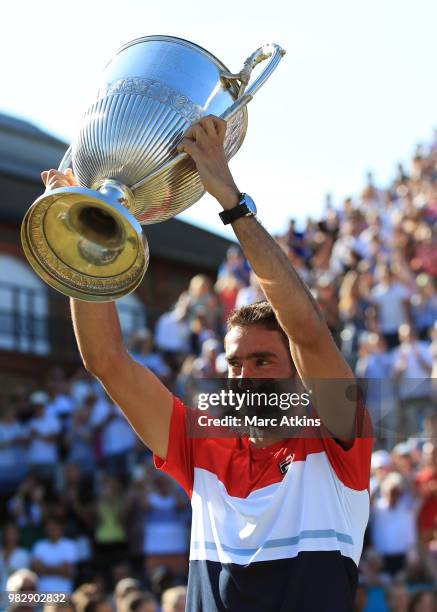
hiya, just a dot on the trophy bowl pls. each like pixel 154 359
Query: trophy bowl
pixel 87 241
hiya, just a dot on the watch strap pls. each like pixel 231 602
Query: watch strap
pixel 240 210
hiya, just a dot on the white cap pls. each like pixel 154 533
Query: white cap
pixel 211 345
pixel 138 473
pixel 392 481
pixel 403 448
pixel 39 398
pixel 380 459
pixel 143 334
pixel 221 364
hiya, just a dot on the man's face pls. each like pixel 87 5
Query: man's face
pixel 54 530
pixel 399 598
pixel 149 606
pixel 255 352
pixel 179 604
pixel 39 410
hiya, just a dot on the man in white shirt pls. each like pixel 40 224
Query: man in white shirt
pixel 393 523
pixel 117 441
pixel 391 298
pixel 12 459
pixel 42 431
pixel 412 371
pixel 251 294
pixel 141 348
pixel 172 333
pixel 54 559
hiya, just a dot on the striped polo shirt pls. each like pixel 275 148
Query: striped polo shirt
pixel 273 529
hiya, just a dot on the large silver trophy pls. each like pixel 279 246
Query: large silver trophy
pixel 87 241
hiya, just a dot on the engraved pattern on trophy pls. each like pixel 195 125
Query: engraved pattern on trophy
pixel 151 119
pixel 148 130
pixel 176 189
pixel 158 91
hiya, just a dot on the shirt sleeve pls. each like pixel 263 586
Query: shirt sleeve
pixel 54 427
pixel 70 552
pixel 403 292
pixel 37 552
pixel 352 465
pixel 179 460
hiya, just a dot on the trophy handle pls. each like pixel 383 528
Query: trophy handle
pixel 272 51
pixel 275 52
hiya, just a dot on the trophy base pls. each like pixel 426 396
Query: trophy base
pixel 85 243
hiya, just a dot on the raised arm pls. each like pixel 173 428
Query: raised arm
pixel 145 401
pixel 314 352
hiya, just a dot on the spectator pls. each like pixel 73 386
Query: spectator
pixel 123 588
pixel 423 601
pixel 391 298
pixel 347 250
pixel 411 371
pixel 22 581
pixel 251 294
pixel 141 347
pixel 140 602
pixel 380 466
pixel 205 366
pixel 327 300
pixel 54 559
pixel 165 529
pixel 375 230
pixel 110 539
pixel 376 581
pixel 174 599
pixel 12 556
pixel 85 596
pixel 75 498
pixel 172 333
pixel 26 508
pixel 202 301
pixel 398 597
pixel 235 265
pixel 12 455
pixel 42 432
pixel 427 488
pixel 374 368
pixel 361 598
pixel 227 289
pixel 79 438
pixel 80 385
pixel 392 523
pixel 117 441
pixel 60 403
pixel 424 306
pixel 134 513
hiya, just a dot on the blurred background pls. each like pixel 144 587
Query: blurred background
pixel 341 158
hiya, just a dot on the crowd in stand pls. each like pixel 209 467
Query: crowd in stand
pixel 84 512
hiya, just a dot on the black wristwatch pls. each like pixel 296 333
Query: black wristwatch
pixel 245 208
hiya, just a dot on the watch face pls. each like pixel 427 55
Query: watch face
pixel 249 203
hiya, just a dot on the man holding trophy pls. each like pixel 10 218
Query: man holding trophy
pixel 278 524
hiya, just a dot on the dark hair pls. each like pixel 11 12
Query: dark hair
pixel 135 600
pixel 259 313
pixel 417 598
pixel 54 519
pixel 93 604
